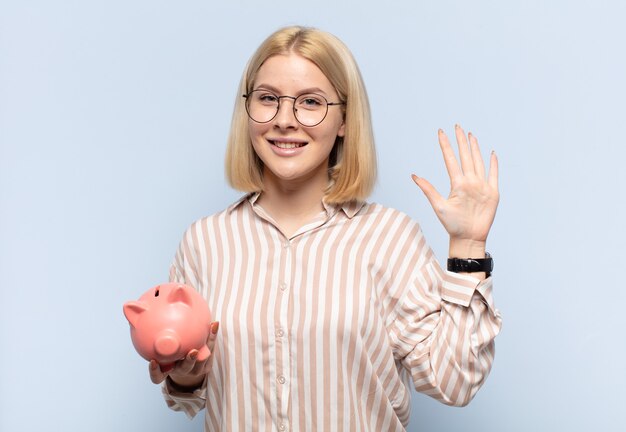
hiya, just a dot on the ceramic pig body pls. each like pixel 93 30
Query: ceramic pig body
pixel 167 322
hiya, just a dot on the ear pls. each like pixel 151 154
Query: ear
pixel 342 129
pixel 133 310
pixel 179 294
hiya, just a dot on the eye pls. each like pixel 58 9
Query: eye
pixel 156 293
pixel 265 97
pixel 311 101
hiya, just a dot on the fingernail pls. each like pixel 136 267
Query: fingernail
pixel 440 131
pixel 415 178
pixel 456 126
pixel 194 354
pixel 215 327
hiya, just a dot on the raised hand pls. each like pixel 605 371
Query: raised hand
pixel 468 212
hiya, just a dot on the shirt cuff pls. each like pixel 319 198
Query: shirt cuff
pixel 189 403
pixel 460 288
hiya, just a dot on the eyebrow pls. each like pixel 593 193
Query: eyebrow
pixel 303 91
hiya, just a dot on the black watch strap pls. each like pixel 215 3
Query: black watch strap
pixel 471 265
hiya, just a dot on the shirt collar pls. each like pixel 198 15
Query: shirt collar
pixel 349 208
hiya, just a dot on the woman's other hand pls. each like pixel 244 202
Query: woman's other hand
pixel 189 372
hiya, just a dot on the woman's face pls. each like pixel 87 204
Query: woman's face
pixel 290 151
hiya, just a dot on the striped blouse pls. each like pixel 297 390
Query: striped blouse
pixel 327 330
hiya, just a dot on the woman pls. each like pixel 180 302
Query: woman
pixel 330 307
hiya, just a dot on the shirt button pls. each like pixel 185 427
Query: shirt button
pixel 280 333
pixel 286 245
pixel 281 379
pixel 282 427
pixel 283 286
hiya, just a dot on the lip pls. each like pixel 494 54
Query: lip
pixel 287 151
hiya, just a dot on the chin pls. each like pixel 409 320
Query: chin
pixel 290 174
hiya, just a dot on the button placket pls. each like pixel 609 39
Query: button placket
pixel 283 367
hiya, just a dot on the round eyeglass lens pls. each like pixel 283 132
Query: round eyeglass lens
pixel 310 109
pixel 261 105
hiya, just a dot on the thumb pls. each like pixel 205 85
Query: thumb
pixel 434 198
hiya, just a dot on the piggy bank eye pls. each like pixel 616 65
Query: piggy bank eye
pixel 156 293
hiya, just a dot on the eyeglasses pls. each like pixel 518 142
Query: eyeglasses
pixel 309 109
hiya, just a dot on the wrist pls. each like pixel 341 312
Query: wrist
pixel 466 248
pixel 183 385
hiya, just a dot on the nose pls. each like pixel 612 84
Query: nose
pixel 285 117
pixel 167 344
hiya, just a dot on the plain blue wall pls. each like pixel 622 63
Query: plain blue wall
pixel 113 121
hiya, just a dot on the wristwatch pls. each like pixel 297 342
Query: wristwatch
pixel 471 265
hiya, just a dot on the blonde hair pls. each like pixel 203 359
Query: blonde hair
pixel 352 165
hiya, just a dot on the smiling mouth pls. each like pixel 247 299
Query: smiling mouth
pixel 287 145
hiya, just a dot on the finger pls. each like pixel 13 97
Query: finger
pixel 464 151
pixel 207 351
pixel 186 365
pixel 434 198
pixel 210 342
pixel 207 348
pixel 454 171
pixel 479 165
pixel 156 375
pixel 493 170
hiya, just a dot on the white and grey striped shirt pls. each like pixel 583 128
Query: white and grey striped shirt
pixel 327 329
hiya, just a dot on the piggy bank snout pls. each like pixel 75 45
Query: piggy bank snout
pixel 167 322
pixel 167 344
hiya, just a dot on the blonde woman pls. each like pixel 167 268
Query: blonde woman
pixel 330 307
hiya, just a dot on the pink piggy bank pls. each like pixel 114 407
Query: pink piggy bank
pixel 167 322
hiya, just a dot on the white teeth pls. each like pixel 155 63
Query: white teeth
pixel 284 145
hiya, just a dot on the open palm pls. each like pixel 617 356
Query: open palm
pixel 469 210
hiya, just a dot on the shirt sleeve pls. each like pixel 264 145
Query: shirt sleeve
pixel 190 403
pixel 183 270
pixel 442 325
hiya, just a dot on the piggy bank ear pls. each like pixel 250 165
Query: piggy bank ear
pixel 133 310
pixel 179 294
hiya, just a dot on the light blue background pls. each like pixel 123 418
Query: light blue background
pixel 113 122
